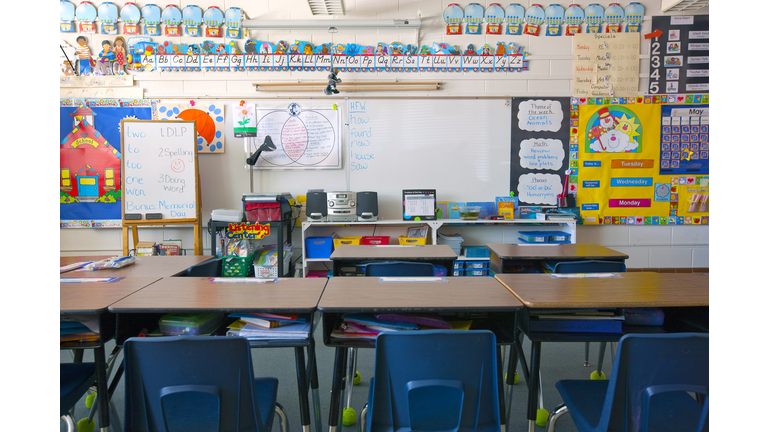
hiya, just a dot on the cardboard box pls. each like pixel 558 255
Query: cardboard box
pixel 145 248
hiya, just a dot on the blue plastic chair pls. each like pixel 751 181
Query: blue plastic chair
pixel 196 383
pixel 75 379
pixel 591 266
pixel 434 380
pixel 648 389
pixel 210 268
pixel 398 268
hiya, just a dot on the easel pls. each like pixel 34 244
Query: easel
pixel 197 221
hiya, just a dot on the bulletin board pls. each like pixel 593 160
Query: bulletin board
pixel 639 162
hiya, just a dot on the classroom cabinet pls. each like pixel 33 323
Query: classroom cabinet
pixel 473 232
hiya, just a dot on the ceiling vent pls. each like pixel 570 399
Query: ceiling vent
pixel 683 5
pixel 326 7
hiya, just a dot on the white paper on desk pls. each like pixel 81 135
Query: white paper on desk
pixel 87 280
pixel 413 279
pixel 584 275
pixel 241 280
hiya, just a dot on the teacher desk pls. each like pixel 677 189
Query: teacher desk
pixel 193 295
pixel 684 297
pixel 505 257
pixel 482 299
pixel 83 301
pixel 348 256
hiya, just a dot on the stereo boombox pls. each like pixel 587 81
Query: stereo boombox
pixel 342 206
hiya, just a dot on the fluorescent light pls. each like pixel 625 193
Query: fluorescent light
pixel 333 23
pixel 318 86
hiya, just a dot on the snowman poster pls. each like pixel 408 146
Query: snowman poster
pixel 614 129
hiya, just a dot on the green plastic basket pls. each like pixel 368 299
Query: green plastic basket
pixel 235 266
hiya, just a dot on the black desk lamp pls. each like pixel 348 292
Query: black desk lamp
pixel 267 146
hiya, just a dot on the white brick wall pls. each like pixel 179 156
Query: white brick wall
pixel 549 75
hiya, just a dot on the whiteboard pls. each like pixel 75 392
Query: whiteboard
pixel 460 147
pixel 159 168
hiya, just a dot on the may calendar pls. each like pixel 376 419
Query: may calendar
pixel 684 139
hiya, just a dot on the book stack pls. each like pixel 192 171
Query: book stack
pixel 452 240
pixel 257 326
pixel 73 331
pixel 576 320
pixel 368 325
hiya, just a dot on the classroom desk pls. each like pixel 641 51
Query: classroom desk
pixel 288 295
pixel 481 299
pixel 683 296
pixel 84 300
pixel 160 266
pixel 350 255
pixel 505 256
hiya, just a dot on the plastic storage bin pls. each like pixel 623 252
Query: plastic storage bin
pixel 534 236
pixel 263 270
pixel 458 265
pixel 411 240
pixel 559 237
pixel 476 272
pixel 317 274
pixel 476 252
pixel 191 324
pixel 235 266
pixel 318 247
pixel 346 241
pixel 458 272
pixel 477 264
pixel 374 240
pixel 469 212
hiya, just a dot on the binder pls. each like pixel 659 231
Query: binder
pixel 575 326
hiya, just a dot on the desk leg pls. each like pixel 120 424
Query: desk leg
pixel 301 379
pixel 101 387
pixel 336 388
pixel 313 384
pixel 533 384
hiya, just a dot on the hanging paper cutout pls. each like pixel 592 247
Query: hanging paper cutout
pixel 614 15
pixel 514 17
pixel 209 121
pixel 66 16
pixel 108 18
pixel 152 17
pixel 594 16
pixel 534 17
pixel 171 17
pixel 554 17
pixel 130 15
pixel 233 18
pixel 494 16
pixel 473 15
pixel 213 18
pixel 244 120
pixel 453 16
pixel 634 17
pixel 86 15
pixel 574 16
pixel 192 17
pixel 141 54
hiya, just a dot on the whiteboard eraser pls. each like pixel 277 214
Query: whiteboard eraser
pixel 132 216
pixel 154 215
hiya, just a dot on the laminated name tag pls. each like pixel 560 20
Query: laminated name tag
pixel 413 279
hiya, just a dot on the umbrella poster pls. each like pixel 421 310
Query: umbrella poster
pixel 208 117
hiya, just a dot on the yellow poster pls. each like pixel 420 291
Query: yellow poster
pixel 618 152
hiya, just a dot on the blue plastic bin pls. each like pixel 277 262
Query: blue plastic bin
pixel 477 252
pixel 318 247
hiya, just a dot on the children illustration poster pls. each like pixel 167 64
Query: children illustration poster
pixel 619 166
pixel 90 153
pixel 209 119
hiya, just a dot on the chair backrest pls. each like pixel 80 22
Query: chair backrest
pixel 590 266
pixel 189 383
pixel 653 373
pixel 75 379
pixel 211 268
pixel 398 268
pixel 434 380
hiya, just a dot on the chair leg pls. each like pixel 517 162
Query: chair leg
pixel 283 418
pixel 556 413
pixel 586 354
pixel 349 415
pixel 70 422
pixel 598 374
pixel 363 413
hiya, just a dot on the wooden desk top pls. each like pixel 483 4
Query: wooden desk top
pixel 96 297
pixel 633 289
pixel 159 266
pixel 367 294
pixel 364 252
pixel 584 251
pixel 188 294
